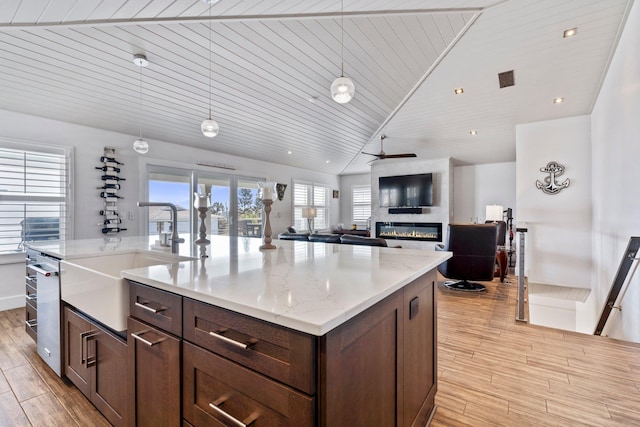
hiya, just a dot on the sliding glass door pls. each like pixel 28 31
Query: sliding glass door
pixel 235 208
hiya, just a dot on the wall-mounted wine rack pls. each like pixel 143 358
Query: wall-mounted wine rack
pixel 111 183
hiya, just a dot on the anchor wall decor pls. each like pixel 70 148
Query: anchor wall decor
pixel 550 185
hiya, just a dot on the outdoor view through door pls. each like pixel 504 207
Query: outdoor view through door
pixel 235 207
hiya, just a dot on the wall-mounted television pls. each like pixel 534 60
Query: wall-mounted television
pixel 406 190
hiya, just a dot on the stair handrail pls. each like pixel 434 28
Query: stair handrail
pixel 620 283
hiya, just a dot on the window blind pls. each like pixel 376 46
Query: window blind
pixel 34 189
pixel 360 204
pixel 306 194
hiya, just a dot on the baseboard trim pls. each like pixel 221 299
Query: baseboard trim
pixel 9 303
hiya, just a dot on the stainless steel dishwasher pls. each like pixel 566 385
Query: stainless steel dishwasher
pixel 48 311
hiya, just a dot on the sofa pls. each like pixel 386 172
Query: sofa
pixel 291 234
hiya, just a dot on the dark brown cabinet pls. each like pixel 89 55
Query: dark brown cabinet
pixel 378 368
pixel 96 362
pixel 383 362
pixel 154 357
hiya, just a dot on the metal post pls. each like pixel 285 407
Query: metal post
pixel 520 315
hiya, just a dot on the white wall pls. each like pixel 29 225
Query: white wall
pixel 442 194
pixel 615 126
pixel 88 146
pixel 558 241
pixel 346 185
pixel 476 186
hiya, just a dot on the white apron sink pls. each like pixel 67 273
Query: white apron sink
pixel 94 285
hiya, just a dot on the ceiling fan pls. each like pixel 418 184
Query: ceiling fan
pixel 382 155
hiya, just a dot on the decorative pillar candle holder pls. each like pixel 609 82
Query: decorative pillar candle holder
pixel 202 204
pixel 265 194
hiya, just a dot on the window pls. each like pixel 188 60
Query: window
pixel 306 194
pixel 361 204
pixel 34 194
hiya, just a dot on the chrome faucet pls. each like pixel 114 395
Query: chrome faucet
pixel 175 239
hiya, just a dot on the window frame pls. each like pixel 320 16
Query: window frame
pixel 66 223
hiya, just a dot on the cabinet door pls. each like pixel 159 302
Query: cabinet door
pixel 76 331
pixel 362 361
pixel 109 376
pixel 154 357
pixel 419 365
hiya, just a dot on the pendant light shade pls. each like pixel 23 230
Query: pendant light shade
pixel 342 90
pixel 140 146
pixel 210 128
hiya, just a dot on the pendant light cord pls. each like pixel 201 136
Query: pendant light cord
pixel 140 115
pixel 209 60
pixel 342 38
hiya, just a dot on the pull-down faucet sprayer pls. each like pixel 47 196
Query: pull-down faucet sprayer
pixel 175 239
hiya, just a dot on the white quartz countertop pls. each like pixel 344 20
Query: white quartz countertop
pixel 70 249
pixel 309 287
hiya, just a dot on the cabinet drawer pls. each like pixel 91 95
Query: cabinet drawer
pixel 31 295
pixel 31 323
pixel 156 307
pixel 277 352
pixel 211 381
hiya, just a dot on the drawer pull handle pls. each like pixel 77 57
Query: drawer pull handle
pixel 31 297
pixel 229 340
pixel 231 418
pixel 146 307
pixel 31 323
pixel 41 270
pixel 145 341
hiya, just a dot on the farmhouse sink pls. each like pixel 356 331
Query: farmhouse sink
pixel 95 286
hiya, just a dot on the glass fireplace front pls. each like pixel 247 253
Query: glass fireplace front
pixel 423 231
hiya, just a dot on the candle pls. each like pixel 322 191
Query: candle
pixel 201 200
pixel 267 190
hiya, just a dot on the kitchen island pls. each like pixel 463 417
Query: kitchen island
pixel 306 334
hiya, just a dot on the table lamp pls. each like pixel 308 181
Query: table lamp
pixel 309 214
pixel 493 213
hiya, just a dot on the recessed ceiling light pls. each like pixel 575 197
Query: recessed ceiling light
pixel 558 100
pixel 570 32
pixel 289 152
pixel 473 132
pixel 327 161
pixel 458 91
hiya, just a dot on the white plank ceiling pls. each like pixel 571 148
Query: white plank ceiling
pixel 71 60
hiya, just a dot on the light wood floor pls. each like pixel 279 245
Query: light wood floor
pixel 492 372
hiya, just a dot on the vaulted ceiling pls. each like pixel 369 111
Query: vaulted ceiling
pixel 272 63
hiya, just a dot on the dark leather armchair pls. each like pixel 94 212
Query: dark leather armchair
pixel 474 255
pixel 502 231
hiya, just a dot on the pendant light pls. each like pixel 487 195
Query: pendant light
pixel 342 88
pixel 210 127
pixel 140 146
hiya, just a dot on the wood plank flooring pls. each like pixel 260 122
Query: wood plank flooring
pixel 492 371
pixel 31 394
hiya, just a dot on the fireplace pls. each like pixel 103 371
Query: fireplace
pixel 422 231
